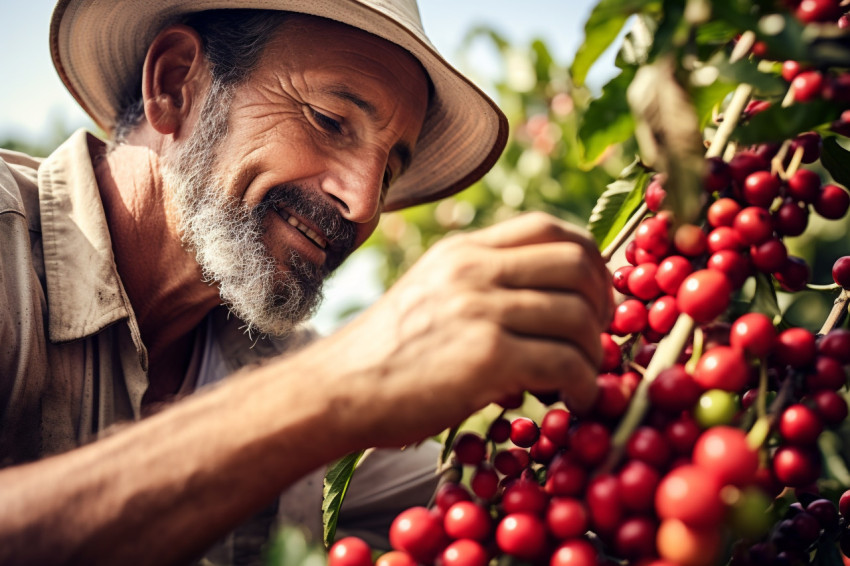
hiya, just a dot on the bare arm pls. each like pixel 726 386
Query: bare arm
pixel 517 306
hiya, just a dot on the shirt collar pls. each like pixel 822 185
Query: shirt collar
pixel 84 289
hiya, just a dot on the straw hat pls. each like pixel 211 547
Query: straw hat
pixel 99 45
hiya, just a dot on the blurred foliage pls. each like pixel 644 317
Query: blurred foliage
pixel 543 166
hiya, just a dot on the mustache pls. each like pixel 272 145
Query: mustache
pixel 339 232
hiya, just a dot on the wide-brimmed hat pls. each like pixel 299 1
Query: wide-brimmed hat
pixel 98 47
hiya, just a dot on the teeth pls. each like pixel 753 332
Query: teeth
pixel 303 228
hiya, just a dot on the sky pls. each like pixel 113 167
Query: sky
pixel 33 100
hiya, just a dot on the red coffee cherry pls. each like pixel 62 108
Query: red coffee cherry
pixel 841 272
pixel 635 538
pixel 791 218
pixel 795 347
pixel 395 558
pixel 723 238
pixel 469 448
pixel 722 212
pixel 800 425
pixel 754 225
pixel 603 503
pixel 674 390
pixel 419 532
pixel 652 235
pixel 566 517
pixel 811 144
pixel 612 357
pixel 671 272
pixel 682 434
pixel 484 481
pixel 524 496
pixel 832 203
pixel 556 426
pixel 565 477
pixel 590 443
pixel 722 367
pixel 809 11
pixel 642 283
pixel 662 315
pixel 506 462
pixel 828 374
pixel 734 265
pixel 524 432
pixel 638 481
pixel 690 240
pixel 465 552
pixel 648 445
pixel 804 185
pixel 794 275
pixel 466 519
pixel 500 430
pixel 796 466
pixel 704 294
pixel 836 344
pixel 761 187
pixel 630 317
pixel 769 256
pixel 620 279
pixel 808 85
pixel 350 551
pixel 753 333
pixel 790 69
pixel 746 162
pixel 522 535
pixel 724 451
pixel 691 494
pixel 448 494
pixel 717 176
pixel 831 406
pixel 654 196
pixel 575 552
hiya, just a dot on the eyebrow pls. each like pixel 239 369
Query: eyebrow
pixel 401 149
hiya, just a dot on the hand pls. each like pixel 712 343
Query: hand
pixel 517 306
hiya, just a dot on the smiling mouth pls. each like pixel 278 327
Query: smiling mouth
pixel 301 227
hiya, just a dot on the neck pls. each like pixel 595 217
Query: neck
pixel 162 279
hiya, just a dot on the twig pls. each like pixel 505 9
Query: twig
pixel 730 120
pixel 624 234
pixel 836 315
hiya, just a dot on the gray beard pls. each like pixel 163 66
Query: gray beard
pixel 227 237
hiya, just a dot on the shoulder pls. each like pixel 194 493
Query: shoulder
pixel 19 183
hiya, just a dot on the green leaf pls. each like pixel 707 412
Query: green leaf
pixel 602 28
pixel 777 124
pixel 448 443
pixel 746 71
pixel 335 486
pixel 617 204
pixel 764 299
pixel 291 547
pixel 608 119
pixel 836 160
pixel 705 98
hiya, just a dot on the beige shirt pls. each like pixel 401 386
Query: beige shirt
pixel 72 362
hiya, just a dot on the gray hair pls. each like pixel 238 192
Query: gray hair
pixel 233 41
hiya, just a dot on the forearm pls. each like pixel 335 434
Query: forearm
pixel 162 490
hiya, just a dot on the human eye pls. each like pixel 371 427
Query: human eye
pixel 326 122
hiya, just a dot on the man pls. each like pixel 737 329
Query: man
pixel 251 153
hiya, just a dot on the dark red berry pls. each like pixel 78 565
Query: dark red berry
pixel 717 176
pixel 648 445
pixel 469 448
pixel 674 390
pixel 603 503
pixel 484 481
pixel 807 85
pixel 654 196
pixel 809 11
pixel 796 466
pixel 704 294
pixel 831 406
pixel 722 367
pixel 566 517
pixel 753 333
pixel 841 272
pixel 791 218
pixel 795 347
pixel 836 344
pixel 832 203
pixel 769 256
pixel 590 442
pixel 794 275
pixel 804 185
pixel 419 532
pixel 638 481
pixel 800 425
pixel 761 187
pixel 754 225
pixel 524 432
pixel 811 143
pixel 734 265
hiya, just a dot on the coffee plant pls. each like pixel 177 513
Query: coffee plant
pixel 718 436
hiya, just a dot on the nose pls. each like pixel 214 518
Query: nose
pixel 356 185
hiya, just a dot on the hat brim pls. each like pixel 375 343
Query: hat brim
pixel 98 46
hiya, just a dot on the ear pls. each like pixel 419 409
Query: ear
pixel 174 77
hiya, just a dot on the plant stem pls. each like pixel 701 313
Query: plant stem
pixel 731 117
pixel 665 356
pixel 624 234
pixel 836 315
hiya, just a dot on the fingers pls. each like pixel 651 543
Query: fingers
pixel 558 266
pixel 565 317
pixel 555 366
